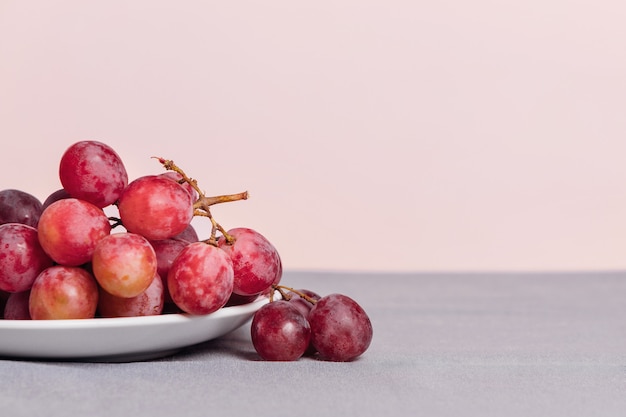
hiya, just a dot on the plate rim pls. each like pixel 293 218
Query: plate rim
pixel 149 344
pixel 166 318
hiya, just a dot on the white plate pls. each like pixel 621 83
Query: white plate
pixel 118 339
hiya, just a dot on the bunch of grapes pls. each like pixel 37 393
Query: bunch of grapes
pixel 66 258
pixel 301 322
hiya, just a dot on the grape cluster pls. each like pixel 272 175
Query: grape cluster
pixel 302 323
pixel 66 258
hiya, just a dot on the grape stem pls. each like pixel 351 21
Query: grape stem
pixel 282 289
pixel 115 222
pixel 202 205
pixel 203 202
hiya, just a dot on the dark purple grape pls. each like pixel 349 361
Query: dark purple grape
pixel 280 332
pixel 238 300
pixel 19 207
pixel 55 196
pixel 4 296
pixel 305 308
pixel 340 328
pixel 300 303
pixel 189 234
pixel 17 306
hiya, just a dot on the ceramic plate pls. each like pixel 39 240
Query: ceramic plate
pixel 117 339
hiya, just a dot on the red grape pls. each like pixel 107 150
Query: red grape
pixel 166 251
pixel 94 172
pixel 238 300
pixel 200 280
pixel 16 307
pixel 124 264
pixel 155 207
pixel 18 206
pixel 4 295
pixel 340 328
pixel 69 230
pixel 305 308
pixel 63 292
pixel 55 196
pixel 189 234
pixel 59 260
pixel 300 303
pixel 280 332
pixel 148 303
pixel 21 257
pixel 256 262
pixel 175 176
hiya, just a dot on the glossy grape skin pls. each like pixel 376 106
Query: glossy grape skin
pixel 18 206
pixel 63 292
pixel 200 280
pixel 155 207
pixel 149 303
pixel 166 251
pixel 124 264
pixel 94 172
pixel 17 306
pixel 69 230
pixel 280 332
pixel 256 262
pixel 340 329
pixel 21 257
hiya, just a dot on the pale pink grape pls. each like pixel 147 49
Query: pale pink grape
pixel 69 230
pixel 124 264
pixel 63 292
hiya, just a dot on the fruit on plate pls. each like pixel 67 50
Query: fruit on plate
pixel 104 245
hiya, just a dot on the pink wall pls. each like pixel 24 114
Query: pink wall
pixel 372 135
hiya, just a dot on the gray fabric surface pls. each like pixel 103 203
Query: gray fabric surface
pixel 541 344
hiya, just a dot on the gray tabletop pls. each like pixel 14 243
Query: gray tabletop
pixel 536 344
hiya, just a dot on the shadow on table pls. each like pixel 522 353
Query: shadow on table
pixel 236 344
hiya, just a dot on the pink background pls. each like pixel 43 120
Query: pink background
pixel 372 135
